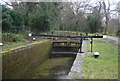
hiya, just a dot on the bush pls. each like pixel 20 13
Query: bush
pixel 39 23
pixel 118 33
pixel 6 19
pixel 93 24
pixel 7 37
pixel 12 21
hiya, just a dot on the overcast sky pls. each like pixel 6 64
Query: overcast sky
pixel 91 1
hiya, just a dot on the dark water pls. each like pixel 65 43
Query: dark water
pixel 55 68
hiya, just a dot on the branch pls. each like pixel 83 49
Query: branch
pixel 6 3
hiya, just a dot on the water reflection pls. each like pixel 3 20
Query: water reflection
pixel 55 68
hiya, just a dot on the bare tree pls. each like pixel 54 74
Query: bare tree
pixel 78 10
pixel 107 13
pixel 118 11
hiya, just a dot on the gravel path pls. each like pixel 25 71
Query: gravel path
pixel 114 39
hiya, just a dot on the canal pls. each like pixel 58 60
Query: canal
pixel 53 68
pixel 35 62
pixel 57 66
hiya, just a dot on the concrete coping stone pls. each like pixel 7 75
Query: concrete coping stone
pixel 20 48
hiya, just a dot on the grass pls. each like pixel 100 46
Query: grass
pixel 11 40
pixel 113 34
pixel 11 45
pixel 14 45
pixel 104 67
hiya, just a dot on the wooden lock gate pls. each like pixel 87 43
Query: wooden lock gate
pixel 68 47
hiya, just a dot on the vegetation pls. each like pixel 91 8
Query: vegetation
pixel 12 21
pixel 12 40
pixel 41 17
pixel 70 18
pixel 39 23
pixel 93 24
pixel 16 21
pixel 7 37
pixel 106 66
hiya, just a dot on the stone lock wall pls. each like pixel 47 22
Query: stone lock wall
pixel 17 63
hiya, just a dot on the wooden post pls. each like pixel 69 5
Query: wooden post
pixel 81 44
pixel 91 42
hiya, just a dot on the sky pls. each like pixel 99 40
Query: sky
pixel 91 1
pixel 112 1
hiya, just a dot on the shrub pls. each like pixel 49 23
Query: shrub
pixel 39 23
pixel 12 20
pixel 7 37
pixel 118 33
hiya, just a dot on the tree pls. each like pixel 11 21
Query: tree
pixel 12 21
pixel 39 23
pixel 113 25
pixel 18 21
pixel 92 24
pixel 107 13
pixel 52 9
pixel 6 19
pixel 118 12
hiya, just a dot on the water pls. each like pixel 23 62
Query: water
pixel 55 68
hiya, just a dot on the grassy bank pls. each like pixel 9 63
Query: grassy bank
pixel 104 67
pixel 11 40
pixel 12 45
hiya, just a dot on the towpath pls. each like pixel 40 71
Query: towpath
pixel 114 39
pixel 77 67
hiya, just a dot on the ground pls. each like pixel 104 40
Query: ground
pixel 114 39
pixel 106 66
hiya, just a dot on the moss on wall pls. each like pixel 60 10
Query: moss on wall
pixel 19 62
